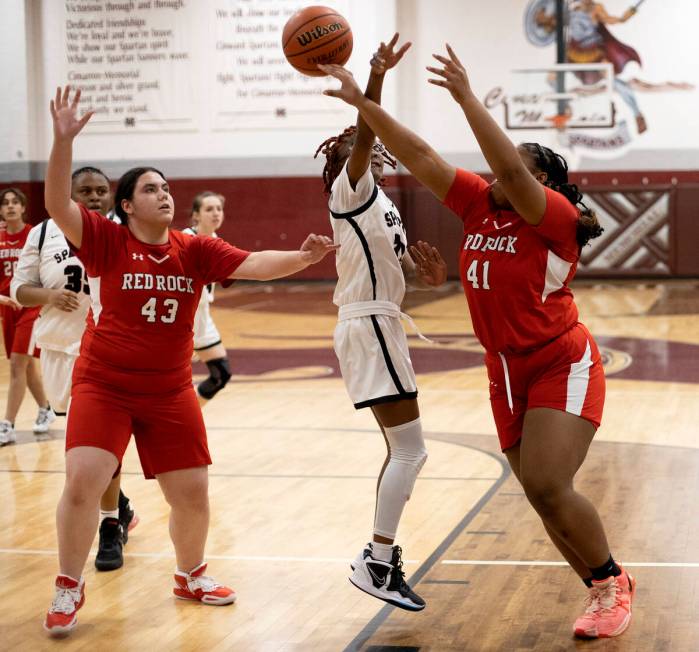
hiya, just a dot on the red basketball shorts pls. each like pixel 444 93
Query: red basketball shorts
pixel 565 374
pixel 169 429
pixel 18 330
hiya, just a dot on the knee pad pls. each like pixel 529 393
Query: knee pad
pixel 408 450
pixel 407 456
pixel 219 375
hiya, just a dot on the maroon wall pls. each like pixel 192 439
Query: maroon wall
pixel 277 213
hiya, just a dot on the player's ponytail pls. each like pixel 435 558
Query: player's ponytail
pixel 336 151
pixel 556 168
pixel 126 187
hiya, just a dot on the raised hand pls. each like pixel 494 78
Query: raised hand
pixel 316 247
pixel 66 123
pixel 431 268
pixel 349 91
pixel 385 58
pixel 453 75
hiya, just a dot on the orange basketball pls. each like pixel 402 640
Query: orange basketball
pixel 316 35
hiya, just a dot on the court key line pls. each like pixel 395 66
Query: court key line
pixel 343 560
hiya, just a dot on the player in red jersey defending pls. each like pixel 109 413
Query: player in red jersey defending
pixel 133 373
pixel 522 240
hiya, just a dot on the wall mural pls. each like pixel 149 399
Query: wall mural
pixel 593 98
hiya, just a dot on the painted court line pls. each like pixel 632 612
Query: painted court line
pixel 170 555
pixel 343 560
pixel 500 562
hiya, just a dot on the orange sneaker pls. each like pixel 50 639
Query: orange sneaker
pixel 197 586
pixel 62 617
pixel 608 607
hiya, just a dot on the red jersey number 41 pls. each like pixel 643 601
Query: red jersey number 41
pixel 472 275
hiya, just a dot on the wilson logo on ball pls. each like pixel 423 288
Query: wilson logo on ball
pixel 308 37
pixel 316 35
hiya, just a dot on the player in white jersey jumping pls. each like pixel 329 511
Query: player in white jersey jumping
pixel 373 265
pixel 48 274
pixel 207 216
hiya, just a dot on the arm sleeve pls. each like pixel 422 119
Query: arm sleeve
pixel 343 198
pixel 216 259
pixel 28 269
pixel 101 241
pixel 465 190
pixel 558 228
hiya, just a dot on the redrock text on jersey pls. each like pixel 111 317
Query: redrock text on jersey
pixel 157 282
pixel 478 242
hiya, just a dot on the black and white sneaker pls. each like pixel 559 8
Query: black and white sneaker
pixel 369 547
pixel 385 581
pixel 110 552
pixel 127 516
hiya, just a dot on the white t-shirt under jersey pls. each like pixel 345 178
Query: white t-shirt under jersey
pixel 368 227
pixel 53 267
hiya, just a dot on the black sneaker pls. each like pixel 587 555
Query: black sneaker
pixel 110 553
pixel 127 516
pixel 386 581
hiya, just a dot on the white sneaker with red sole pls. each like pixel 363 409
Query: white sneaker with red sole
pixel 62 617
pixel 202 588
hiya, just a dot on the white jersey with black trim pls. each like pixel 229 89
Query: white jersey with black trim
pixel 367 225
pixel 49 263
pixel 208 293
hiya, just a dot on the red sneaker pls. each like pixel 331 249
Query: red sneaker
pixel 62 617
pixel 197 586
pixel 608 607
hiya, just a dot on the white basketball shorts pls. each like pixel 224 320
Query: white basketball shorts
pixel 57 373
pixel 206 334
pixel 374 360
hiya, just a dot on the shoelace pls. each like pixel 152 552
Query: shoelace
pixel 64 601
pixel 608 596
pixel 43 417
pixel 203 582
pixel 592 601
pixel 398 572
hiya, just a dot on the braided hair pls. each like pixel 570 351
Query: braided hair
pixel 556 168
pixel 337 150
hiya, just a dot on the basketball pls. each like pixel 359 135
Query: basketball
pixel 316 35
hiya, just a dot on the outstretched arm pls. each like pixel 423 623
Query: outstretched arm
pixel 384 59
pixel 600 13
pixel 428 167
pixel 522 190
pixel 269 264
pixel 66 126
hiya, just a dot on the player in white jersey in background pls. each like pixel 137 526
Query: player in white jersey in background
pixel 373 265
pixel 207 216
pixel 49 275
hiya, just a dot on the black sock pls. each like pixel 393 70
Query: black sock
pixel 588 582
pixel 608 569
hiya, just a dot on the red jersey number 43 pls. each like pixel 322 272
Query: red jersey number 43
pixel 167 315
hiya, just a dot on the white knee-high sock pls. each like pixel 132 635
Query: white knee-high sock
pixel 407 457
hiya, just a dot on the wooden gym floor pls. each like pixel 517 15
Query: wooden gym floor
pixel 292 493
